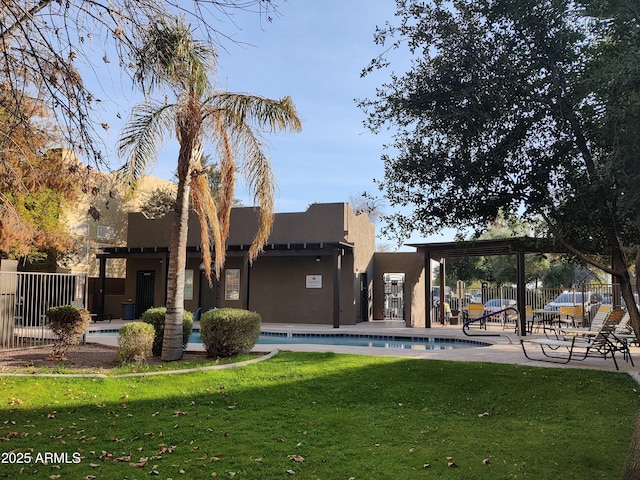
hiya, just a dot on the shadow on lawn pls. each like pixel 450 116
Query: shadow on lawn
pixel 325 416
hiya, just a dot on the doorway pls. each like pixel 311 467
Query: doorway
pixel 365 303
pixel 145 291
pixel 393 296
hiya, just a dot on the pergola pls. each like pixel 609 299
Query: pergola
pixel 518 246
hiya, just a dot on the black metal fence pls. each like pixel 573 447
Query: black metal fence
pixel 586 298
pixel 25 299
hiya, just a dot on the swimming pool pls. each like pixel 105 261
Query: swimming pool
pixel 347 339
pixel 359 340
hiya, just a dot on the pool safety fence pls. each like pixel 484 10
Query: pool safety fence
pixel 25 298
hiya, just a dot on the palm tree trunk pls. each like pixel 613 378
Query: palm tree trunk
pixel 172 340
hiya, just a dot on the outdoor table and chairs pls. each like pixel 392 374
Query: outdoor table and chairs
pixel 550 319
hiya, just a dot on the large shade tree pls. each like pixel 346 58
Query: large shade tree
pixel 35 183
pixel 59 63
pixel 529 107
pixel 232 122
pixel 62 53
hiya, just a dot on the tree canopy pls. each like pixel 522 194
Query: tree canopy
pixel 36 181
pixel 49 49
pixel 523 106
pixel 55 58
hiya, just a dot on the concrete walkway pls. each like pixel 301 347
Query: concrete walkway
pixel 503 349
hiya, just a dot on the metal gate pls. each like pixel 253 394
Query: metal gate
pixel 25 298
pixel 393 296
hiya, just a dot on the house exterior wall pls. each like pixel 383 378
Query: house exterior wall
pixel 278 286
pixel 110 229
pixel 279 291
pixel 361 232
pixel 412 265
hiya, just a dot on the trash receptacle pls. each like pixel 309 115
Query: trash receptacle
pixel 128 310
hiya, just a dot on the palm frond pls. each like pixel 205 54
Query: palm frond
pixel 227 179
pixel 142 138
pixel 264 113
pixel 171 56
pixel 258 174
pixel 205 207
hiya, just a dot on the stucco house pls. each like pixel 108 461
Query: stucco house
pixel 319 266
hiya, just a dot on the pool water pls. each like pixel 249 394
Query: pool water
pixel 354 340
pixel 348 339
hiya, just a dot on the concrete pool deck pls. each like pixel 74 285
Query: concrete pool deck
pixel 503 349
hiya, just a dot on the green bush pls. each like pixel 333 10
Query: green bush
pixel 135 341
pixel 155 316
pixel 68 324
pixel 226 332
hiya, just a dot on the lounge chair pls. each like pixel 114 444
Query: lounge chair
pixel 623 336
pixel 565 348
pixel 596 324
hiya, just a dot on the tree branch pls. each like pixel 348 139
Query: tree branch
pixel 22 20
pixel 573 250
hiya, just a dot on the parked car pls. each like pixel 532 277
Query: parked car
pixel 474 298
pixel 608 300
pixel 590 301
pixel 497 304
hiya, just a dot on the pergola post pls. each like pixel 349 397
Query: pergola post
pixel 102 275
pixel 337 274
pixel 442 288
pixel 428 288
pixel 521 292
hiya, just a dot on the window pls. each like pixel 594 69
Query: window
pixel 188 284
pixel 106 233
pixel 232 284
pixel 80 229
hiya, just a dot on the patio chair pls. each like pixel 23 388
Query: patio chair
pixel 573 316
pixel 510 317
pixel 624 333
pixel 474 314
pixel 596 323
pixel 565 348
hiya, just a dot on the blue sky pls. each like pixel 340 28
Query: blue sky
pixel 314 52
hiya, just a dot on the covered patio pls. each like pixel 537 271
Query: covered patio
pixel 516 246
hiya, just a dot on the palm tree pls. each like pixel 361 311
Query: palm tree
pixel 232 122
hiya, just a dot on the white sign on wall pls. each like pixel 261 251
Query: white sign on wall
pixel 314 281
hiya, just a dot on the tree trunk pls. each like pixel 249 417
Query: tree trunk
pixel 172 340
pixel 190 148
pixel 618 262
pixel 632 465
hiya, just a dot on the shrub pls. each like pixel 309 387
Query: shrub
pixel 68 324
pixel 134 342
pixel 155 316
pixel 226 332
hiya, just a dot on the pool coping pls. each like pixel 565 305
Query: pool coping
pixel 503 349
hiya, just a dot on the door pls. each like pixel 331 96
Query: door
pixel 393 296
pixel 145 290
pixel 364 297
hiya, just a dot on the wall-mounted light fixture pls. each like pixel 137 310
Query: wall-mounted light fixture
pixel 317 258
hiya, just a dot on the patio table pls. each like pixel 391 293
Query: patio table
pixel 547 317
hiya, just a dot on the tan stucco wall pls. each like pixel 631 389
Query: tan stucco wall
pixel 412 265
pixel 278 283
pixel 114 206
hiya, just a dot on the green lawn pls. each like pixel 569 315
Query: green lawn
pixel 323 416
